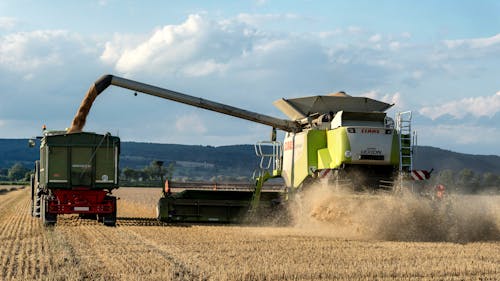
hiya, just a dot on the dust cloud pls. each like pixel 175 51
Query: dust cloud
pixel 81 115
pixel 405 216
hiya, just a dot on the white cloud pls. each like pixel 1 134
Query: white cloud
pixel 476 106
pixel 26 51
pixel 195 47
pixel 474 43
pixel 387 98
pixel 171 44
pixel 191 123
pixel 7 22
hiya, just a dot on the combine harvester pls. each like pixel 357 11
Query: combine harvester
pixel 335 138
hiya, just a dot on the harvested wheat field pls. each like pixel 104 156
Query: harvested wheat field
pixel 140 248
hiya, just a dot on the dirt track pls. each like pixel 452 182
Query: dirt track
pixel 140 248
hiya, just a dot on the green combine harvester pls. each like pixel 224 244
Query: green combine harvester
pixel 334 138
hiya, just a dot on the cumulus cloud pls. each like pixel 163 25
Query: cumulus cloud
pixel 27 51
pixel 202 47
pixel 195 47
pixel 483 106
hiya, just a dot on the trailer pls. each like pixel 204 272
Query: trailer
pixel 76 174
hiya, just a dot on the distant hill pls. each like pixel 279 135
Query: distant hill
pixel 16 150
pixel 236 159
pixel 427 157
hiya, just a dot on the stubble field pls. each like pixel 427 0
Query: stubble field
pixel 140 248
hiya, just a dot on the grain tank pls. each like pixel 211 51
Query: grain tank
pixel 76 174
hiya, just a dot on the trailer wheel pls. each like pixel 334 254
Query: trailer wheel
pixel 35 190
pixel 32 182
pixel 36 211
pixel 48 219
pixel 110 219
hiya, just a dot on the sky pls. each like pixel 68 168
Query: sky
pixel 439 59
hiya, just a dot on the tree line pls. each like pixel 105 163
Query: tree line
pixel 463 181
pixel 17 172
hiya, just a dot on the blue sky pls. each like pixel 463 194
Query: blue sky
pixel 439 59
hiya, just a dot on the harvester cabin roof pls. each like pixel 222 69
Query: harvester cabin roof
pixel 299 108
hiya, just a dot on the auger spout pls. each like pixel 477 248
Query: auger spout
pixel 105 81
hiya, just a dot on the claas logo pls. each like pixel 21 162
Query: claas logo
pixel 288 145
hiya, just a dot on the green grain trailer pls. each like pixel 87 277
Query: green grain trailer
pixel 75 175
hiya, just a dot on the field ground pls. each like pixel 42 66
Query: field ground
pixel 140 248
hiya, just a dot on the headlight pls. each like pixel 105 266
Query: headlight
pixel 348 154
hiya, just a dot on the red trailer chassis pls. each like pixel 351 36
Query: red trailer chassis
pixel 81 201
pixel 87 202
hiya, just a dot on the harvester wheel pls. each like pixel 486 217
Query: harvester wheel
pixel 48 219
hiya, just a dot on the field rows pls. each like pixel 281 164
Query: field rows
pixel 140 248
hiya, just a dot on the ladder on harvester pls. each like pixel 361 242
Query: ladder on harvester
pixel 403 126
pixel 270 153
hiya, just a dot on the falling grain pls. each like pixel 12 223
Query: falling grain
pixel 81 115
